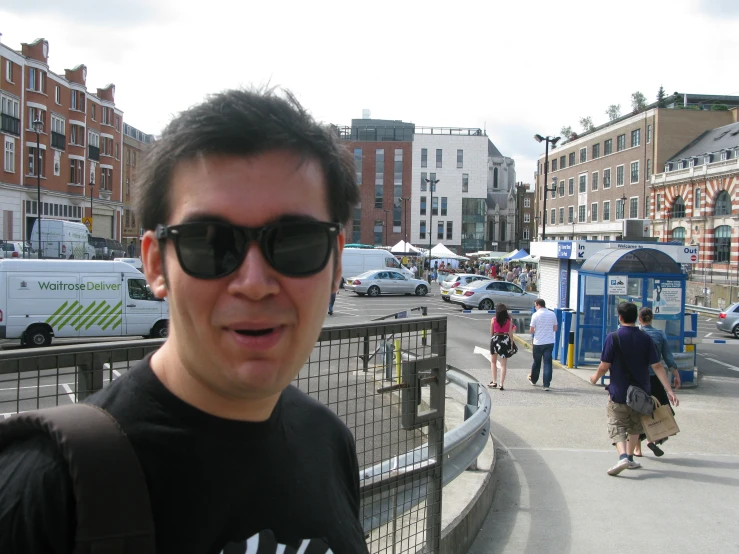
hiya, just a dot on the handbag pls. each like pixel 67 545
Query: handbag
pixel 660 424
pixel 636 397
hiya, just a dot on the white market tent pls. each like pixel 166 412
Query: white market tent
pixel 442 252
pixel 529 259
pixel 404 248
pixel 495 256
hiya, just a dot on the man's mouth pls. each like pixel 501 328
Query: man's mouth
pixel 255 332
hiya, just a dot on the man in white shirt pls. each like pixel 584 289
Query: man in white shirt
pixel 542 328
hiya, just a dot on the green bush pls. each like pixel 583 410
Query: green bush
pixel 716 107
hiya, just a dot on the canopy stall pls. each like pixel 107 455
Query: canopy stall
pixel 516 255
pixel 442 252
pixel 405 248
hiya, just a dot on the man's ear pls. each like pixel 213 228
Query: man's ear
pixel 340 242
pixel 152 259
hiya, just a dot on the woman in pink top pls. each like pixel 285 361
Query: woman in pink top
pixel 501 343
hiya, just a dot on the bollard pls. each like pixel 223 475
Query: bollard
pixel 397 360
pixel 366 352
pixel 89 380
pixel 424 312
pixel 571 350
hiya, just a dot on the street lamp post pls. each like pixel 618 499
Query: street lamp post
pixel 37 125
pixel 405 214
pixel 386 212
pixel 536 219
pixel 92 186
pixel 553 141
pixel 432 185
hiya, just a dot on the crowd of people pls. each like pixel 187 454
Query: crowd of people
pixel 524 276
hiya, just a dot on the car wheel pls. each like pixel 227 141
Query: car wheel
pixel 374 290
pixel 486 304
pixel 160 330
pixel 735 331
pixel 37 336
pixel 465 307
pixel 341 285
pixel 422 290
pixel 445 299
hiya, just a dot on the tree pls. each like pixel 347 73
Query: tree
pixel 587 124
pixel 613 111
pixel 661 97
pixel 638 102
pixel 566 132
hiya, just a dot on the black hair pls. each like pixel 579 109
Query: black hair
pixel 501 314
pixel 645 314
pixel 627 311
pixel 244 123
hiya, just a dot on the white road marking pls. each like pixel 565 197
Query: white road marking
pixel 485 353
pixel 708 335
pixel 731 367
pixel 463 316
pixel 116 373
pixel 69 392
pixel 709 320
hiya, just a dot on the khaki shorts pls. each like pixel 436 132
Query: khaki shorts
pixel 622 421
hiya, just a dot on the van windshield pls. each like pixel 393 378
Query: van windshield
pixel 392 262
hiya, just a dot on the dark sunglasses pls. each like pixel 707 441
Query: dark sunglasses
pixel 210 250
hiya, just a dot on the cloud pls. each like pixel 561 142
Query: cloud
pixel 719 9
pixel 111 14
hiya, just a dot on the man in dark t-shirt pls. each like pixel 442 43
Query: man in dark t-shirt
pixel 638 352
pixel 242 200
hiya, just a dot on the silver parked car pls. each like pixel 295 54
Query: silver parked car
pixel 458 280
pixel 486 294
pixel 728 320
pixel 377 282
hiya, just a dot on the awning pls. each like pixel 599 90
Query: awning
pixel 517 255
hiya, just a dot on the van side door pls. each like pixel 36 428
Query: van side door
pixel 143 309
pixel 102 305
pixel 42 297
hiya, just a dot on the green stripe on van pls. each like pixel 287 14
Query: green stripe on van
pixel 105 309
pixel 76 307
pixel 56 313
pixel 115 312
pixel 117 322
pixel 92 313
pixel 82 314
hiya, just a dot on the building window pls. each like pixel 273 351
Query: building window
pixel 571 186
pixel 76 172
pixel 9 160
pixel 620 142
pixel 657 205
pixel 438 158
pixel 594 181
pixel 77 136
pixel 561 216
pixel 424 176
pixel 423 205
pixel 35 114
pixel 594 212
pixel 495 178
pixel 440 230
pixel 635 137
pixel 697 199
pixel 379 177
pixel 435 205
pixel 572 159
pixel 607 210
pixel 554 164
pixel 678 234
pixel 649 170
pixel 526 233
pixel 596 150
pixel 608 147
pixel 33 162
pixel 619 209
pixel 562 187
pixel 422 230
pixel 723 204
pixel 678 207
pixel 570 214
pixel 583 155
pixel 527 202
pixel 465 182
pixel 106 179
pixel 58 95
pixel 9 71
pixel 443 205
pixel 723 244
pixel 449 229
pixel 562 162
pixel 620 176
pixel 36 80
pixel 527 218
pixel 552 216
pixel 424 157
pixel 607 178
pixel 378 232
pixel 581 214
pixel 634 172
pixel 117 153
pixel 357 164
pixel 583 185
pixel 460 159
pixel 633 207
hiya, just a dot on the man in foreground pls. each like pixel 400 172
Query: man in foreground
pixel 638 352
pixel 242 201
pixel 542 327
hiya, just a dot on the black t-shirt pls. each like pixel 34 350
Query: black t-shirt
pixel 213 483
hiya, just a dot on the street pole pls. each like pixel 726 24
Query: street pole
pixel 405 215
pixel 37 127
pixel 386 212
pixel 553 141
pixel 92 185
pixel 432 184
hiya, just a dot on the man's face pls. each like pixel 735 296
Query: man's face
pixel 244 336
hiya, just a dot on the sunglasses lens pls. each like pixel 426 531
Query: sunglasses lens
pixel 210 250
pixel 299 249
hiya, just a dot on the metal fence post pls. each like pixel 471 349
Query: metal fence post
pixel 89 379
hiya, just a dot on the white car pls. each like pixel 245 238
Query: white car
pixel 377 282
pixel 17 249
pixel 448 285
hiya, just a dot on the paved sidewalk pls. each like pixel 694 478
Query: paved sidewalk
pixel 552 453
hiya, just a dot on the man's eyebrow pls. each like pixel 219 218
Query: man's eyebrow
pixel 214 218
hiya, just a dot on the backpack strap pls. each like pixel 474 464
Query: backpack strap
pixel 113 507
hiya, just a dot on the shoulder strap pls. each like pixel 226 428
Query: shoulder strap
pixel 113 507
pixel 621 357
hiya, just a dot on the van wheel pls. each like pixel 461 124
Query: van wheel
pixel 374 290
pixel 160 330
pixel 71 257
pixel 37 336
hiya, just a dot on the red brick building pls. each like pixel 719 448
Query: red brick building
pixel 75 154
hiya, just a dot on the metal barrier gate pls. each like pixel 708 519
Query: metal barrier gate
pixel 396 417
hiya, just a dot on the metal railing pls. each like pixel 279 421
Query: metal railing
pixel 394 408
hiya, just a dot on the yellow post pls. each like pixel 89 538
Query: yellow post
pixel 397 360
pixel 570 355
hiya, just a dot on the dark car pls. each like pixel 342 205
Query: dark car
pixel 107 249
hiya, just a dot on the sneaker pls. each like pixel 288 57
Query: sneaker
pixel 619 467
pixel 547 389
pixel 633 465
pixel 530 381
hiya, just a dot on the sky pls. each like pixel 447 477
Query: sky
pixel 514 68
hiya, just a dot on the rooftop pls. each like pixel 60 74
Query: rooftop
pixel 712 141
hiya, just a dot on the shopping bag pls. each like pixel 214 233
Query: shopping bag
pixel 660 424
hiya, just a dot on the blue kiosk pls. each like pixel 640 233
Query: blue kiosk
pixel 644 276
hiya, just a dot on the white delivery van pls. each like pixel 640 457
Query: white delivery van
pixel 63 239
pixel 358 260
pixel 41 299
pixel 135 262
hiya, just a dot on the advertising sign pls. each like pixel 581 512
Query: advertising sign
pixel 563 286
pixel 666 297
pixel 617 284
pixel 564 250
